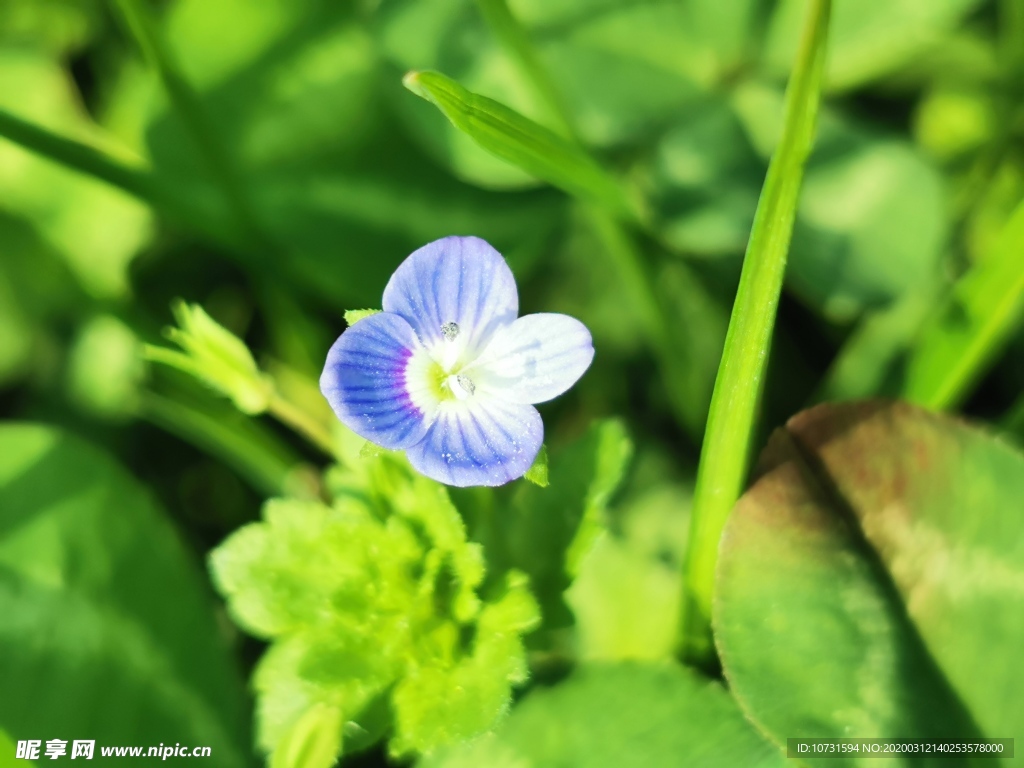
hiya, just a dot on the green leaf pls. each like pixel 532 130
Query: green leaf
pixel 313 742
pixel 411 36
pixel 868 362
pixel 871 224
pixel 105 368
pixel 440 702
pixel 522 142
pixel 56 25
pixel 727 441
pixel 318 171
pixel 538 471
pixel 622 71
pixel 871 580
pixel 97 229
pixel 9 751
pixel 353 316
pixel 873 38
pixel 628 714
pixel 545 532
pixel 374 612
pixel 190 112
pixel 626 595
pixel 706 176
pixel 516 42
pixel 959 342
pixel 37 289
pixel 216 357
pixel 108 631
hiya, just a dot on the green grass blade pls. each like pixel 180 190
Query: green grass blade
pixel 187 104
pixel 507 134
pixel 727 440
pixel 984 308
pixel 517 42
pixel 1013 422
pixel 136 181
pixel 870 358
pixel 83 158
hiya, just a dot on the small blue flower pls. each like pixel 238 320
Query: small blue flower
pixel 448 373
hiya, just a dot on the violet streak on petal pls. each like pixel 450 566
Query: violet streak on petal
pixel 364 381
pixel 479 442
pixel 460 280
pixel 447 373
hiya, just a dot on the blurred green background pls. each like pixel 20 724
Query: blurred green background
pixel 331 173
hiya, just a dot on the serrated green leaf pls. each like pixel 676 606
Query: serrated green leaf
pixel 443 700
pixel 312 672
pixel 374 601
pixel 892 533
pixel 313 742
pixel 522 142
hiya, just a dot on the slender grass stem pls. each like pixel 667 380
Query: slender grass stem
pixel 728 437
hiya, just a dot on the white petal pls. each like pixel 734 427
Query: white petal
pixel 534 359
pixel 479 441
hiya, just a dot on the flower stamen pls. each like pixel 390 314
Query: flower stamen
pixel 460 385
pixel 466 383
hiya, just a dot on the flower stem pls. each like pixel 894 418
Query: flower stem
pixel 725 452
pixel 292 416
pixel 189 107
pixel 253 451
